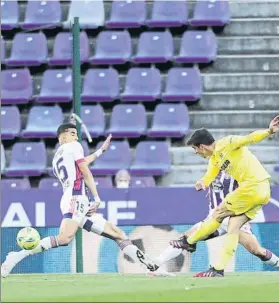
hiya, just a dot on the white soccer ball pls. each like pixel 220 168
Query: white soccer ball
pixel 28 238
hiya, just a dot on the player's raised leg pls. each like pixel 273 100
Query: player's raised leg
pixel 250 242
pixel 97 224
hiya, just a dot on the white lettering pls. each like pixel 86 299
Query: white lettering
pixel 16 209
pixel 40 214
pixel 114 215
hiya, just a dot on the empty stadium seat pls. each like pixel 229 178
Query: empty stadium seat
pixel 9 14
pixel 10 122
pixel 56 86
pixel 151 158
pixel 3 50
pixel 128 121
pixel 93 117
pixel 170 120
pixel 42 13
pixel 63 49
pixel 27 159
pixel 112 47
pixel 3 159
pixel 154 47
pixel 15 183
pixel 127 14
pixel 90 12
pixel 197 47
pixel 100 85
pixel 28 49
pixel 142 181
pixel 16 86
pixel 50 183
pixel 168 14
pixel 142 84
pixel 43 122
pixel 118 156
pixel 211 13
pixel 103 182
pixel 183 84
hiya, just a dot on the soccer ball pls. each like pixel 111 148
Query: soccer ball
pixel 28 238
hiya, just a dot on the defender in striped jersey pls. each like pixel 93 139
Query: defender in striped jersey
pixel 218 190
pixel 70 166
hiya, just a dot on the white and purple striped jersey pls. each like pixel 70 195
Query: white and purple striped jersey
pixel 66 169
pixel 219 188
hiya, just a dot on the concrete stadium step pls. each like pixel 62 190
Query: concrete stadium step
pixel 187 156
pixel 253 26
pixel 254 9
pixel 248 45
pixel 244 63
pixel 228 119
pixel 222 132
pixel 189 174
pixel 238 101
pixel 241 81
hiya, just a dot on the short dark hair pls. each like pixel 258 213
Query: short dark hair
pixel 201 136
pixel 64 128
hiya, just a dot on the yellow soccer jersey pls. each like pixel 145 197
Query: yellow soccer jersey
pixel 232 156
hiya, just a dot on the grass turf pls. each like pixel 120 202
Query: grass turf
pixel 235 287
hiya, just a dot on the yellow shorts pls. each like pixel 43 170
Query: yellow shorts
pixel 248 198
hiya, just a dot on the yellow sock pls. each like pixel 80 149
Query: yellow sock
pixel 228 251
pixel 207 228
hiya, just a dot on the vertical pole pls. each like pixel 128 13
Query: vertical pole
pixel 76 78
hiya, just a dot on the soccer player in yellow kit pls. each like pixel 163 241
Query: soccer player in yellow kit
pixel 231 155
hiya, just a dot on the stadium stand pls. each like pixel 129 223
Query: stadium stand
pixel 178 77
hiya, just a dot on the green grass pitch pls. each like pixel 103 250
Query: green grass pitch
pixel 234 287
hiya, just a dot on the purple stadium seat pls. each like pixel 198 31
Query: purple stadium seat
pixel 90 12
pixel 27 159
pixel 103 182
pixel 15 183
pixel 3 159
pixel 142 181
pixel 3 50
pixel 197 47
pixel 118 156
pixel 63 49
pixel 127 14
pixel 42 13
pixel 28 49
pixel 56 86
pixel 142 84
pixel 50 183
pixel 183 84
pixel 151 158
pixel 154 47
pixel 276 169
pixel 211 13
pixel 168 14
pixel 170 120
pixel 16 86
pixel 43 122
pixel 100 85
pixel 112 47
pixel 93 117
pixel 9 14
pixel 10 122
pixel 128 121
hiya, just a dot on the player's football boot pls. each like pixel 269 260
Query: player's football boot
pixel 11 261
pixel 159 273
pixel 212 272
pixel 182 243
